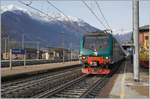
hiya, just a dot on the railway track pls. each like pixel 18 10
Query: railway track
pixel 37 76
pixel 85 86
pixel 36 84
pixel 69 83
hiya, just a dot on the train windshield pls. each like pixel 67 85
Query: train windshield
pixel 96 42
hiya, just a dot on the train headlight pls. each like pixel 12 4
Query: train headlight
pixel 95 53
pixel 83 57
pixel 106 57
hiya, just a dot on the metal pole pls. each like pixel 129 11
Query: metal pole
pixel 136 39
pixel 10 59
pixel 63 45
pixel 149 43
pixel 37 50
pixel 23 41
pixel 24 58
pixel 71 52
pixel 8 45
pixel 63 55
pixel 5 48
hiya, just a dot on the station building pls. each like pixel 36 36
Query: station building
pixel 58 53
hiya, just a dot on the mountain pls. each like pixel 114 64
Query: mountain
pixel 124 38
pixel 49 31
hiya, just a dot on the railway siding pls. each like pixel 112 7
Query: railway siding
pixel 31 87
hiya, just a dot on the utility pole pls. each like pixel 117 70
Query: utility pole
pixel 149 42
pixel 136 39
pixel 10 59
pixel 70 51
pixel 22 41
pixel 62 35
pixel 8 45
pixel 37 45
pixel 5 47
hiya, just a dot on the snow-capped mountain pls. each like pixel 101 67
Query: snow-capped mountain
pixel 57 16
pixel 47 29
pixel 123 38
pixel 47 17
pixel 12 7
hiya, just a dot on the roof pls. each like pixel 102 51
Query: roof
pixel 95 33
pixel 144 28
pixel 57 49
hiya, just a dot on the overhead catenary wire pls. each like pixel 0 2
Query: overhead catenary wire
pixel 99 8
pixel 63 14
pixel 94 14
pixel 57 8
pixel 29 5
pixel 67 19
pixel 49 17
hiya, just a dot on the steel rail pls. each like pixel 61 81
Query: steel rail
pixel 7 84
pixel 93 87
pixel 33 82
pixel 54 91
pixel 28 85
pixel 92 91
pixel 89 91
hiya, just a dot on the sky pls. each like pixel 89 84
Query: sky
pixel 118 13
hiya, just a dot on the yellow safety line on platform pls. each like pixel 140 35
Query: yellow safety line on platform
pixel 122 93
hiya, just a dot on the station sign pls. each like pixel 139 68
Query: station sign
pixel 18 51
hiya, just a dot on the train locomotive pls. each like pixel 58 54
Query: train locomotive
pixel 98 50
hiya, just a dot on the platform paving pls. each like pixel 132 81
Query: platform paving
pixel 34 68
pixel 125 87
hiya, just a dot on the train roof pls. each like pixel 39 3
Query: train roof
pixel 102 33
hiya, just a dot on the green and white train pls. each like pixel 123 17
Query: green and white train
pixel 98 50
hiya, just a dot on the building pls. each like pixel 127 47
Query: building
pixel 58 54
pixel 144 46
pixel 143 34
pixel 31 53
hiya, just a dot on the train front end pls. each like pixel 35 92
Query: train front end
pixel 95 53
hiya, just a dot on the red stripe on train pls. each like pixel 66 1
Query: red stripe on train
pixel 98 59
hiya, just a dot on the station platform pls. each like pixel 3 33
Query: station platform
pixel 18 70
pixel 125 87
